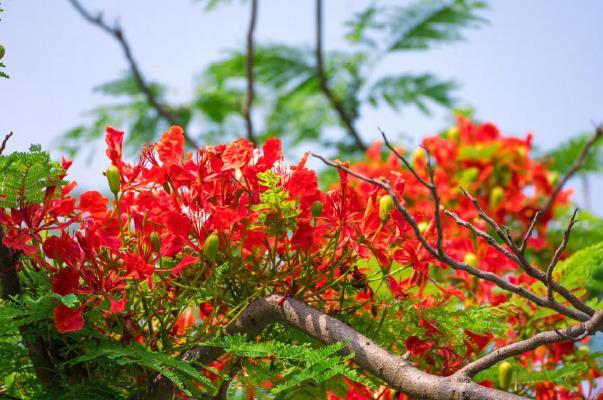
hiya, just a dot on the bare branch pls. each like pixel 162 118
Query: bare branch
pixel 249 73
pixel 575 332
pixel 462 266
pixel 345 118
pixel 534 272
pixel 557 255
pixel 404 160
pixel 578 163
pixel 4 141
pixel 394 370
pixel 117 33
pixel 528 234
pixel 488 238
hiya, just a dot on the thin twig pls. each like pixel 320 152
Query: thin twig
pixel 404 160
pixel 522 261
pixel 249 73
pixel 528 234
pixel 578 163
pixel 558 252
pixel 117 33
pixel 3 146
pixel 345 118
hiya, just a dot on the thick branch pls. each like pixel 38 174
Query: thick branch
pixel 249 72
pixel 575 332
pixel 345 118
pixel 392 369
pixel 36 346
pixel 578 163
pixel 117 33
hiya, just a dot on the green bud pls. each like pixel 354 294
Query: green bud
pixel 210 247
pixel 471 259
pixel 155 241
pixel 418 154
pixel 317 207
pixel 505 373
pixel 386 204
pixel 496 196
pixel 469 175
pixel 166 187
pixel 583 351
pixel 452 133
pixel 114 178
pixel 2 51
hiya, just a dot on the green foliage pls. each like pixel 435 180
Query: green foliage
pixel 412 90
pixel 563 157
pixel 290 366
pixel 582 270
pixel 288 95
pixel 26 177
pixel 2 52
pixel 182 373
pixel 429 22
pixel 567 374
pixel 278 212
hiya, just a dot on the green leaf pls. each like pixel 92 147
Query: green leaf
pixel 417 90
pixel 428 22
pixel 561 159
pixel 25 177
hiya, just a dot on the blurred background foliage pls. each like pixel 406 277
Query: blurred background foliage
pixel 290 101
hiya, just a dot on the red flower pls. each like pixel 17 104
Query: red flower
pixel 68 319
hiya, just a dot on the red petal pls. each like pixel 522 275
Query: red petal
pixel 68 319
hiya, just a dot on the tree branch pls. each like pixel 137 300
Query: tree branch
pixel 4 141
pixel 462 266
pixel 575 332
pixel 116 32
pixel 37 347
pixel 578 163
pixel 249 72
pixel 392 369
pixel 345 118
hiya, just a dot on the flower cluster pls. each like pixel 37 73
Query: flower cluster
pixel 187 240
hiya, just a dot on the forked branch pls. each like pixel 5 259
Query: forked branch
pixel 578 163
pixel 117 33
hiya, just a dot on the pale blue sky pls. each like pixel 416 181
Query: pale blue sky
pixel 535 67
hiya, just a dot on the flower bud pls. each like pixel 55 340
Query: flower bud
pixel 496 196
pixel 2 51
pixel 423 226
pixel 469 175
pixel 167 188
pixel 583 351
pixel 452 133
pixel 471 259
pixel 317 207
pixel 505 373
pixel 114 178
pixel 386 204
pixel 210 247
pixel 155 241
pixel 418 154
